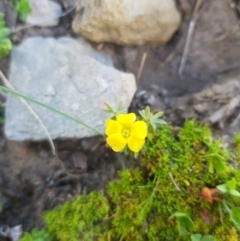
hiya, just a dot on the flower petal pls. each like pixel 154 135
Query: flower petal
pixel 126 119
pixel 116 141
pixel 112 127
pixel 135 144
pixel 139 129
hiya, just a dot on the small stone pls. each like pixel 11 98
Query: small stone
pixel 200 107
pixel 127 22
pixel 80 160
pixel 44 13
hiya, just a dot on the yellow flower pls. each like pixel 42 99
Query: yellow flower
pixel 126 130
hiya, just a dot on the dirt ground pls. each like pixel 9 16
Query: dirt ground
pixel 31 180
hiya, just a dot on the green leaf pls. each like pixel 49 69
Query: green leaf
pixel 219 165
pixel 187 221
pixel 5 47
pixel 151 129
pixel 156 116
pixel 142 113
pixel 150 136
pixel 196 237
pixel 109 108
pixel 183 222
pixel 181 228
pixel 210 166
pixel 231 185
pixel 222 188
pixel 147 112
pixel 178 214
pixel 208 238
pixel 120 107
pixel 153 126
pixel 5 42
pixel 107 111
pixel 235 215
pixel 234 193
pixel 160 121
pixel 4 32
pixel 199 237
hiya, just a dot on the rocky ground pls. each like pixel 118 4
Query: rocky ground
pixel 205 88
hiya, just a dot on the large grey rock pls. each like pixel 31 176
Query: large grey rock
pixel 127 22
pixel 68 75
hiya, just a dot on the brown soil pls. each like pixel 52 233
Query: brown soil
pixel 31 180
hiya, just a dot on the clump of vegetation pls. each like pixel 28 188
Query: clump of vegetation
pixel 82 219
pixel 5 42
pixel 22 7
pixel 236 142
pixel 36 235
pixel 187 188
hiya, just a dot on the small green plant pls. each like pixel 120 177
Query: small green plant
pixel 36 235
pixel 126 130
pixel 186 189
pixel 22 7
pixel 5 42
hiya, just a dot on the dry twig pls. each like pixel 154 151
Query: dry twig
pixel 174 183
pixel 141 65
pixel 191 29
pixel 225 110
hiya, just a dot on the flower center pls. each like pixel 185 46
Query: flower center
pixel 126 133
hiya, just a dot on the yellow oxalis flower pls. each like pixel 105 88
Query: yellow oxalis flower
pixel 126 130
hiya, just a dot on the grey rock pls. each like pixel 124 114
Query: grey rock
pixel 68 75
pixel 44 13
pixel 127 22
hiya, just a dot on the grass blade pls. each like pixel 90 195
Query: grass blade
pixel 12 92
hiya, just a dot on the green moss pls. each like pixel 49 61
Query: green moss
pixel 236 142
pixel 80 219
pixel 163 199
pixel 5 42
pixel 36 235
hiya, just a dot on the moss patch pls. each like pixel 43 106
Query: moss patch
pixel 186 189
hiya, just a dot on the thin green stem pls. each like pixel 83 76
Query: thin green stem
pixel 220 213
pixel 226 206
pixel 49 108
